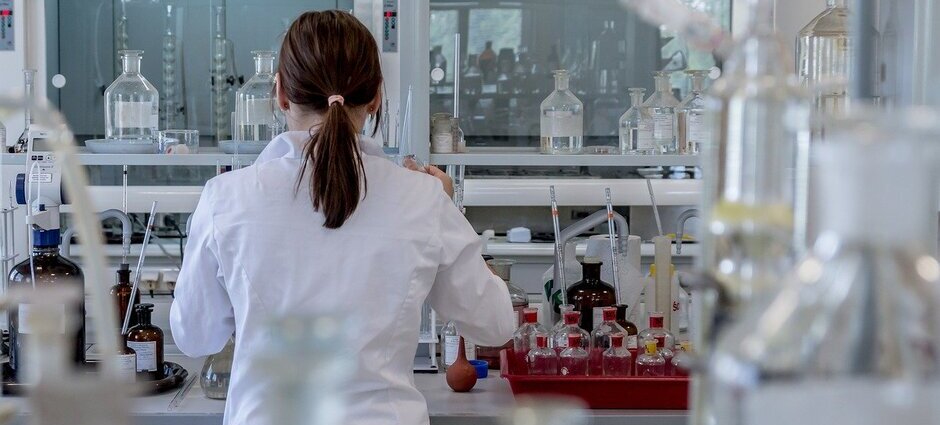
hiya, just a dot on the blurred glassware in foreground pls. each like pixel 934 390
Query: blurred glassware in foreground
pixel 693 127
pixel 823 61
pixel 217 372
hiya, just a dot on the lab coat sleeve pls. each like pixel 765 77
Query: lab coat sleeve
pixel 201 316
pixel 465 290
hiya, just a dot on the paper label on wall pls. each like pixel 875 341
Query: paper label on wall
pixel 26 326
pixel 135 115
pixel 561 124
pixel 663 126
pixel 697 132
pixel 146 355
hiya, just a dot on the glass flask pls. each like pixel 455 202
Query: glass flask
pixel 132 104
pixel 559 337
pixel 254 102
pixel 50 270
pixel 573 361
pixel 694 128
pixel 656 330
pixel 451 339
pixel 147 341
pixel 824 59
pixel 562 120
pixel 662 108
pixel 860 311
pixel 600 338
pixel 217 372
pixel 121 292
pixel 590 295
pixel 520 301
pixel 524 338
pixel 617 360
pixel 650 363
pixel 541 359
pixel 636 126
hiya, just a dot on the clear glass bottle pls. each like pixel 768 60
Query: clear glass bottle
pixel 636 126
pixel 559 337
pixel 617 360
pixel 562 309
pixel 600 338
pixel 682 362
pixel 590 295
pixel 650 363
pixel 254 102
pixel 524 338
pixel 694 127
pixel 451 339
pixel 573 361
pixel 147 341
pixel 542 360
pixel 132 104
pixel 667 351
pixel 656 330
pixel 824 57
pixel 562 120
pixel 121 292
pixel 662 108
pixel 217 372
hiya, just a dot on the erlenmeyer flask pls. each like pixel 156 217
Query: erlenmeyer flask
pixel 217 372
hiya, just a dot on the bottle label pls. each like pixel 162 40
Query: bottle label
pixel 630 342
pixel 644 135
pixel 442 143
pixel 135 115
pixel 146 355
pixel 697 132
pixel 562 124
pixel 470 350
pixel 127 367
pixel 663 126
pixel 26 325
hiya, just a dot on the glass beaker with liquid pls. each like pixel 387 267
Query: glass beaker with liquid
pixel 562 120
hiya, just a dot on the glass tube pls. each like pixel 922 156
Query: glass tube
pixel 823 57
pixel 171 107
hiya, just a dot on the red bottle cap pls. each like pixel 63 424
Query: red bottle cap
pixel 541 341
pixel 656 320
pixel 660 341
pixel 610 314
pixel 572 317
pixel 574 340
pixel 530 315
pixel 616 340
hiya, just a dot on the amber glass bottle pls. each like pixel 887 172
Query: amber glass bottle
pixel 121 292
pixel 591 294
pixel 50 269
pixel 147 341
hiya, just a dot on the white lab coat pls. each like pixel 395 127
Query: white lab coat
pixel 257 251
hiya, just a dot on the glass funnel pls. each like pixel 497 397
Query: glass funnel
pixel 636 126
pixel 823 57
pixel 217 372
pixel 662 108
pixel 694 128
pixel 131 103
pixel 562 120
pixel 862 309
pixel 254 102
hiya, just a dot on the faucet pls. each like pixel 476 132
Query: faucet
pixel 126 232
pixel 680 227
pixel 585 224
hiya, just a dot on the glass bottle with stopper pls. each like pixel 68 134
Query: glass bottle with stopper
pixel 562 120
pixel 590 295
pixel 559 337
pixel 450 348
pixel 617 360
pixel 132 104
pixel 524 338
pixel 254 102
pixel 694 128
pixel 542 360
pixel 662 108
pixel 573 361
pixel 636 126
pixel 601 338
pixel 655 331
pixel 147 341
pixel 122 295
pixel 650 363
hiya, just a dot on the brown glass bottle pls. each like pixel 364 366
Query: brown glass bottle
pixel 591 292
pixel 147 341
pixel 121 292
pixel 50 270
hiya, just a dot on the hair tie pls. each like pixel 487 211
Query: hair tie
pixel 335 99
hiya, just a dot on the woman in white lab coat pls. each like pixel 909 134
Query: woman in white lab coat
pixel 322 222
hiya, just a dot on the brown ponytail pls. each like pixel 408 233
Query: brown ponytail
pixel 328 54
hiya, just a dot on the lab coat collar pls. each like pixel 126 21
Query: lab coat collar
pixel 290 144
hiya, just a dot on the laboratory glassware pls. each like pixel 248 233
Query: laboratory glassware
pixel 861 308
pixel 591 294
pixel 662 108
pixel 562 119
pixel 452 343
pixel 520 301
pixel 171 106
pixel 217 372
pixel 127 362
pixel 45 269
pixel 461 376
pixel 442 136
pixel 682 362
pixel 524 338
pixel 667 351
pixel 223 75
pixel 177 142
pixel 542 360
pixel 650 363
pixel 28 77
pixel 694 127
pixel 631 330
pixel 131 103
pixel 562 309
pixel 121 292
pixel 823 57
pixel 573 361
pixel 656 330
pixel 617 360
pixel 254 102
pixel 636 126
pixel 559 337
pixel 147 341
pixel 600 338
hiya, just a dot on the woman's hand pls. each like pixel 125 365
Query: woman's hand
pixel 413 165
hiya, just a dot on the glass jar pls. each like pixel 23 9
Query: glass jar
pixel 591 294
pixel 824 57
pixel 254 102
pixel 662 108
pixel 562 119
pixel 636 126
pixel 694 128
pixel 217 372
pixel 442 135
pixel 132 104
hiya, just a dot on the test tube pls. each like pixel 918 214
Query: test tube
pixel 559 255
pixel 614 252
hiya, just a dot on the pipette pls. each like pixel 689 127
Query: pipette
pixel 659 224
pixel 559 254
pixel 140 264
pixel 181 394
pixel 614 252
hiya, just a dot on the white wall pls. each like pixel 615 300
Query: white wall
pixel 29 51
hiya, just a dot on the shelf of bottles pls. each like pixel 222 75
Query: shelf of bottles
pixel 206 157
pixel 532 158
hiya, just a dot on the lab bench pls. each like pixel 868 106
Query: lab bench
pixel 481 406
